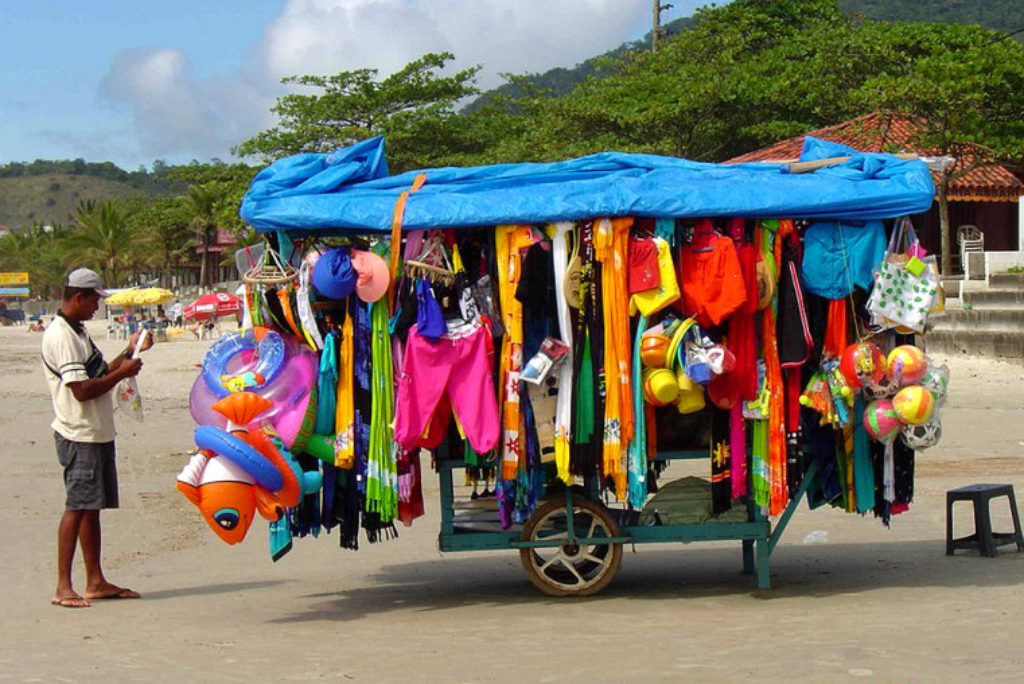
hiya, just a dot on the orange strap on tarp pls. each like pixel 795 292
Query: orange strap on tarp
pixel 396 235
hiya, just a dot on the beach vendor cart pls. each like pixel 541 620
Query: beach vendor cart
pixel 559 334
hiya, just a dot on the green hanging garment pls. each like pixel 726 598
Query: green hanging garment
pixel 863 469
pixel 584 395
pixel 381 463
pixel 637 458
pixel 759 453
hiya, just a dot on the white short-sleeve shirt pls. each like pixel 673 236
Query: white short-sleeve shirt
pixel 71 356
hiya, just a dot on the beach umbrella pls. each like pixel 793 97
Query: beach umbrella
pixel 212 305
pixel 144 296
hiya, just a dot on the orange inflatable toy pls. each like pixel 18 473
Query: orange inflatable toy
pixel 228 488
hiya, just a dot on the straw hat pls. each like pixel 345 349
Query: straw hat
pixel 571 287
pixel 765 284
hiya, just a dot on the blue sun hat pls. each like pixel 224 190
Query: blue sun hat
pixel 333 275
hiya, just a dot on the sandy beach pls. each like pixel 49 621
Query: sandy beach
pixel 871 604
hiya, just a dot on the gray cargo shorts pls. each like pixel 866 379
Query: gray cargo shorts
pixel 90 474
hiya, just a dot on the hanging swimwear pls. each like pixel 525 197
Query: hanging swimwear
pixel 710 277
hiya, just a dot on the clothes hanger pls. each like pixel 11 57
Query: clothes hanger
pixel 432 263
pixel 435 274
pixel 434 251
pixel 704 236
pixel 644 228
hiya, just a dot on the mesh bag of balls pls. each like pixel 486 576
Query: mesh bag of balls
pixel 905 390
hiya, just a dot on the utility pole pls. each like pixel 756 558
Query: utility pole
pixel 656 30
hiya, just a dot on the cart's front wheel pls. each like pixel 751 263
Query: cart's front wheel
pixel 580 568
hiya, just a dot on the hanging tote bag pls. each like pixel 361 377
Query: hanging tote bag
pixel 905 287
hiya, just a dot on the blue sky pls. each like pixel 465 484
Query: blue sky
pixel 131 81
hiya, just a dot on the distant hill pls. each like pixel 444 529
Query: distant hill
pixel 560 80
pixel 999 15
pixel 50 198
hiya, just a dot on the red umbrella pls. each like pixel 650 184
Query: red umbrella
pixel 212 305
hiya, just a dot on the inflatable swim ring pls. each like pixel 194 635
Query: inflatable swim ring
pixel 227 365
pixel 288 369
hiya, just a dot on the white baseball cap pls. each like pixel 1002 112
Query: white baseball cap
pixel 86 279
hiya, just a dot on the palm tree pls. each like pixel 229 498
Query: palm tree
pixel 103 237
pixel 166 223
pixel 201 202
pixel 36 250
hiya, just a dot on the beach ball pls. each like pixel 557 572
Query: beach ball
pixel 653 349
pixel 883 389
pixel 936 381
pixel 914 404
pixel 906 364
pixel 922 436
pixel 880 420
pixel 660 388
pixel 863 363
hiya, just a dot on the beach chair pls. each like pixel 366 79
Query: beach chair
pixel 160 331
pixel 209 331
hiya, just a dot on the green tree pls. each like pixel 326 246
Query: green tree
pixel 414 108
pixel 692 98
pixel 166 224
pixel 227 183
pixel 966 96
pixel 36 250
pixel 201 203
pixel 102 237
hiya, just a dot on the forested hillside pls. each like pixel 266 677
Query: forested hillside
pixel 51 198
pixel 46 192
pixel 1000 15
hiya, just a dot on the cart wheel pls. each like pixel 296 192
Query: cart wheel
pixel 571 569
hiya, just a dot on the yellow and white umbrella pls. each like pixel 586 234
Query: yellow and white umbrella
pixel 146 296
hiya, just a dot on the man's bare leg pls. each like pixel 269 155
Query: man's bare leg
pixel 67 539
pixel 96 585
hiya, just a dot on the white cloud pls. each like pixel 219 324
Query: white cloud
pixel 178 115
pixel 327 36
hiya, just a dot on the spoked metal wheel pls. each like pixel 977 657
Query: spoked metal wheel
pixel 581 565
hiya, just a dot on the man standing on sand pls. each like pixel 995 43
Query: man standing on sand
pixel 80 382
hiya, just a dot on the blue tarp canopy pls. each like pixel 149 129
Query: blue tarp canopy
pixel 351 189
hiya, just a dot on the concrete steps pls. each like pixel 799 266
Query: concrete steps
pixel 1006 280
pixel 993 298
pixel 1001 344
pixel 984 321
pixel 1005 320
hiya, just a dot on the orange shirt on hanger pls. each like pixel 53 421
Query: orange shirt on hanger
pixel 711 281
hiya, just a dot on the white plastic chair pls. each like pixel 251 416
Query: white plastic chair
pixel 970 239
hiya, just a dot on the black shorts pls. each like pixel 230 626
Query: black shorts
pixel 90 474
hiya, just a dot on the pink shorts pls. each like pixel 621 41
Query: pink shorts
pixel 459 366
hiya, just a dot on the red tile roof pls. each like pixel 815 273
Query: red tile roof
pixel 879 132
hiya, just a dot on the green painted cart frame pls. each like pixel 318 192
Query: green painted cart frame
pixel 563 511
